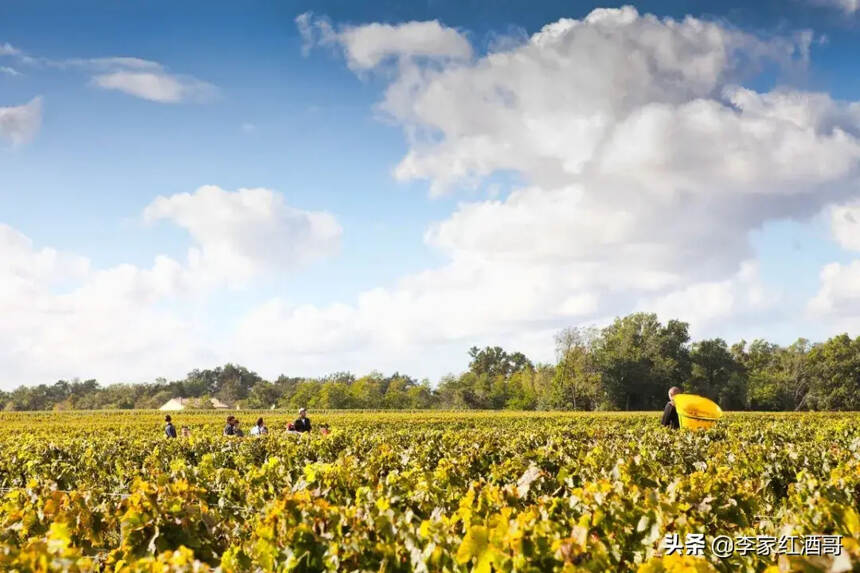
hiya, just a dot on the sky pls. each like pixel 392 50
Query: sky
pixel 304 188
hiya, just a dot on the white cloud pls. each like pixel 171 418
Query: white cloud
pixel 9 71
pixel 108 64
pixel 418 325
pixel 239 234
pixel 137 77
pixel 838 299
pixel 20 124
pixel 143 79
pixel 157 86
pixel 846 6
pixel 646 168
pixel 707 305
pixel 63 318
pixel 7 49
pixel 845 224
pixel 369 45
pixel 546 107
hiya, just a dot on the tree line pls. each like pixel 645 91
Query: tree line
pixel 628 365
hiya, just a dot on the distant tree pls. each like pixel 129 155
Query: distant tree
pixel 522 393
pixel 717 374
pixel 421 396
pixel 835 370
pixel 334 395
pixel 576 384
pixel 367 391
pixel 493 361
pixel 263 395
pixel 397 392
pixel 640 359
pixel 343 377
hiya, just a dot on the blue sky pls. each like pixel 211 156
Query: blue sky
pixel 417 245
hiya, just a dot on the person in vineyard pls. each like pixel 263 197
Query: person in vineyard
pixel 169 429
pixel 303 423
pixel 670 414
pixel 259 429
pixel 230 429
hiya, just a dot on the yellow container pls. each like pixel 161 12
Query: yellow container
pixel 696 412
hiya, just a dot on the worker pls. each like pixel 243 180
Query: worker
pixel 229 429
pixel 259 429
pixel 303 423
pixel 169 430
pixel 670 414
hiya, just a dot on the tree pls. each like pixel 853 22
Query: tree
pixel 263 395
pixel 835 368
pixel 334 395
pixel 493 361
pixel 717 374
pixel 576 376
pixel 761 361
pixel 421 396
pixel 777 378
pixel 367 391
pixel 521 391
pixel 397 392
pixel 640 359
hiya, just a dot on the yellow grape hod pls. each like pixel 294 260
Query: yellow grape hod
pixel 696 412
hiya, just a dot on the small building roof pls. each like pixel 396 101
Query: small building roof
pixel 184 403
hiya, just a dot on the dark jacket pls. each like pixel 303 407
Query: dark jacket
pixel 169 430
pixel 670 416
pixel 229 430
pixel 302 425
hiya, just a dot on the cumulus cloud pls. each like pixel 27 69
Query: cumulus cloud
pixel 838 298
pixel 369 45
pixel 238 234
pixel 845 224
pixel 20 124
pixel 646 166
pixel 62 317
pixel 707 305
pixel 547 107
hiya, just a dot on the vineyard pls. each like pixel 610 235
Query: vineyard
pixel 424 492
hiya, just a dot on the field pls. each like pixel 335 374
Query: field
pixel 427 492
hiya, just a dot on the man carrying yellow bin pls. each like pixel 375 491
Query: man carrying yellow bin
pixel 690 411
pixel 670 414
